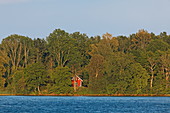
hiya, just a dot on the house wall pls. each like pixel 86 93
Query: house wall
pixel 79 83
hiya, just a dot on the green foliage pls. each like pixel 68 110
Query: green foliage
pixel 19 84
pixel 60 47
pixel 158 44
pixel 35 77
pixel 39 50
pixel 61 81
pixel 137 64
pixel 140 40
pixel 124 44
pixel 138 80
pixel 125 75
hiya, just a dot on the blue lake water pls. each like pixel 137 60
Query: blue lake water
pixel 51 104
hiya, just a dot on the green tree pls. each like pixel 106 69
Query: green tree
pixel 61 81
pixel 60 47
pixel 158 44
pixel 16 49
pixel 139 79
pixel 124 74
pixel 3 67
pixel 152 63
pixel 124 44
pixel 19 83
pixel 165 37
pixel 106 46
pixel 165 65
pixel 39 50
pixel 95 69
pixel 36 76
pixel 140 40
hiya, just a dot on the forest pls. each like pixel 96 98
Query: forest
pixel 134 64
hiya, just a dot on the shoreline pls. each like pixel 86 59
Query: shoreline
pixel 93 95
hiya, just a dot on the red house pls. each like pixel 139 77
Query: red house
pixel 76 81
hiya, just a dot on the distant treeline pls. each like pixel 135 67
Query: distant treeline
pixel 137 64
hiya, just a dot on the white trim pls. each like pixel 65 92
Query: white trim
pixel 77 77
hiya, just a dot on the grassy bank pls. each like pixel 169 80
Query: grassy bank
pixel 116 95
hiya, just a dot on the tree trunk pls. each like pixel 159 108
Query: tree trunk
pixel 25 54
pixel 75 85
pixel 97 73
pixel 167 78
pixel 39 92
pixel 152 77
pixel 19 55
pixel 51 63
pixel 151 82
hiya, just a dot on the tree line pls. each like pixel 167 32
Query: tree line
pixel 134 64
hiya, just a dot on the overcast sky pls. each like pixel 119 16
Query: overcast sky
pixel 38 18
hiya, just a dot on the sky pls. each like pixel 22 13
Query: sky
pixel 39 18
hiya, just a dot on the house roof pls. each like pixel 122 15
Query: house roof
pixel 77 77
